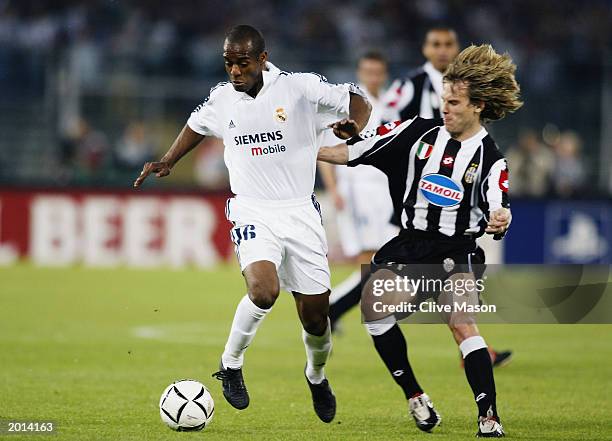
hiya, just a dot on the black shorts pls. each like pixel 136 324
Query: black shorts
pixel 422 247
pixel 420 254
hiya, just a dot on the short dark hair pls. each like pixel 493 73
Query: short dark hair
pixel 373 55
pixel 246 33
pixel 439 28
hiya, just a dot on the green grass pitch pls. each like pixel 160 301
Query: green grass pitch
pixel 92 350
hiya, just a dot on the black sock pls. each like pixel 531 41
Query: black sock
pixel 344 303
pixel 479 373
pixel 391 347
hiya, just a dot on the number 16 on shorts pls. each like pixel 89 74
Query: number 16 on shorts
pixel 244 232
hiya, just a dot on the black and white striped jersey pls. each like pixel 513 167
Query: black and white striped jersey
pixel 417 95
pixel 437 184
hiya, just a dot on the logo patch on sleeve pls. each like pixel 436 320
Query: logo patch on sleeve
pixel 441 190
pixel 503 181
pixel 386 128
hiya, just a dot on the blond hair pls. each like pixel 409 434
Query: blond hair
pixel 490 80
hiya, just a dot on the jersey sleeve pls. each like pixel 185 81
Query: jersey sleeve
pixel 380 147
pixel 494 191
pixel 396 98
pixel 494 188
pixel 204 119
pixel 333 99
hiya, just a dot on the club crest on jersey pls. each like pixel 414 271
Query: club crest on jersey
pixel 470 173
pixel 280 115
pixel 441 190
pixel 424 150
pixel 448 264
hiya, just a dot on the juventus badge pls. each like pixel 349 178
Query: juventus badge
pixel 470 173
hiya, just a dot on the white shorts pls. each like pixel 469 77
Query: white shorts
pixel 364 224
pixel 287 233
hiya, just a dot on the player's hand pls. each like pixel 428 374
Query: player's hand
pixel 160 169
pixel 345 128
pixel 499 221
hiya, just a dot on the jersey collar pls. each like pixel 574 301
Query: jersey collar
pixel 269 77
pixel 477 138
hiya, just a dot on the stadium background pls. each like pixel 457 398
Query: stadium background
pixel 90 90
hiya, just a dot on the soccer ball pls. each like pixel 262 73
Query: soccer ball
pixel 186 406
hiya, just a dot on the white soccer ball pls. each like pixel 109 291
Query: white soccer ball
pixel 186 405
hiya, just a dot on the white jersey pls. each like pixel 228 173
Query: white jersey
pixel 271 141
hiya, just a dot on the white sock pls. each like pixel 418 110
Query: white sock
pixel 345 287
pixel 471 344
pixel 317 351
pixel 246 321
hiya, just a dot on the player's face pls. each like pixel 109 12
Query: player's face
pixel 243 68
pixel 440 48
pixel 459 114
pixel 372 74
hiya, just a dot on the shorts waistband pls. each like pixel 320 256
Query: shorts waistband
pixel 275 203
pixel 433 235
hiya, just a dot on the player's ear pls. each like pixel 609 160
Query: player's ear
pixel 480 105
pixel 263 57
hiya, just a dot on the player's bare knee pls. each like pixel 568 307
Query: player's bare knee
pixel 263 293
pixel 315 324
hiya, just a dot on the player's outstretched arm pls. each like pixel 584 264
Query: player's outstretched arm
pixel 337 154
pixel 186 141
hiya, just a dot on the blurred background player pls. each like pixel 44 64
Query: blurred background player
pixel 364 208
pixel 268 120
pixel 420 95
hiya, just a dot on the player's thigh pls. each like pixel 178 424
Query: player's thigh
pixel 254 242
pixel 388 296
pixel 253 238
pixel 305 268
pixel 259 254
